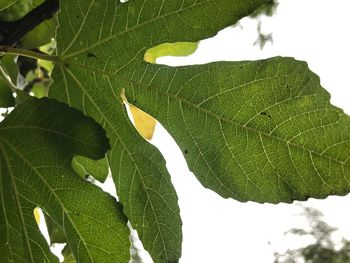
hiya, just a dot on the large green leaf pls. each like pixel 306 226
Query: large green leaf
pixel 262 131
pixel 102 45
pixel 37 142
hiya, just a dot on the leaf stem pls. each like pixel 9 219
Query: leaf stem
pixel 7 79
pixel 28 53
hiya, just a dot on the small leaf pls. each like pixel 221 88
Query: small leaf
pixel 37 215
pixel 6 96
pixel 144 123
pixel 179 49
pixel 37 142
pixel 84 166
pixel 40 35
pixel 40 90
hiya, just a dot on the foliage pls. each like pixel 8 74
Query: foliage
pixel 323 250
pixel 268 9
pixel 249 130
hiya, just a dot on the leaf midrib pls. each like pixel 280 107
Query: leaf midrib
pixel 191 104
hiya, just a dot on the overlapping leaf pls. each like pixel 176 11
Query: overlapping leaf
pixel 87 167
pixel 37 142
pixel 102 45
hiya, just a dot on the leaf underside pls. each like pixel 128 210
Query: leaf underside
pixel 249 130
pixel 35 158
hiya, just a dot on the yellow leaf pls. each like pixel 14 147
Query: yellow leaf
pixel 178 49
pixel 37 215
pixel 144 123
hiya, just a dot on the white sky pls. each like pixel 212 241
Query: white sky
pixel 221 230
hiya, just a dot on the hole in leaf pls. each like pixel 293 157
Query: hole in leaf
pixel 40 220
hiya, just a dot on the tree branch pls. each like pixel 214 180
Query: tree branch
pixel 12 32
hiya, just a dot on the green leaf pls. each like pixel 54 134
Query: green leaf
pixel 67 254
pixel 6 96
pixel 252 130
pixel 37 142
pixel 84 166
pixel 16 10
pixel 6 4
pixel 40 35
pixel 56 233
pixel 178 49
pixel 221 114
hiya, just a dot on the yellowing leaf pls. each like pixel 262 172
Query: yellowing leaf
pixel 144 123
pixel 37 215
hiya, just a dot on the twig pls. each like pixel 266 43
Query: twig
pixel 12 32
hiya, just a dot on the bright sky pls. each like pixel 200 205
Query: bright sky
pixel 221 230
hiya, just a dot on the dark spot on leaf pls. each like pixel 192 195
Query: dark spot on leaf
pixel 186 151
pixel 91 55
pixel 264 113
pixel 86 176
pixel 78 16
